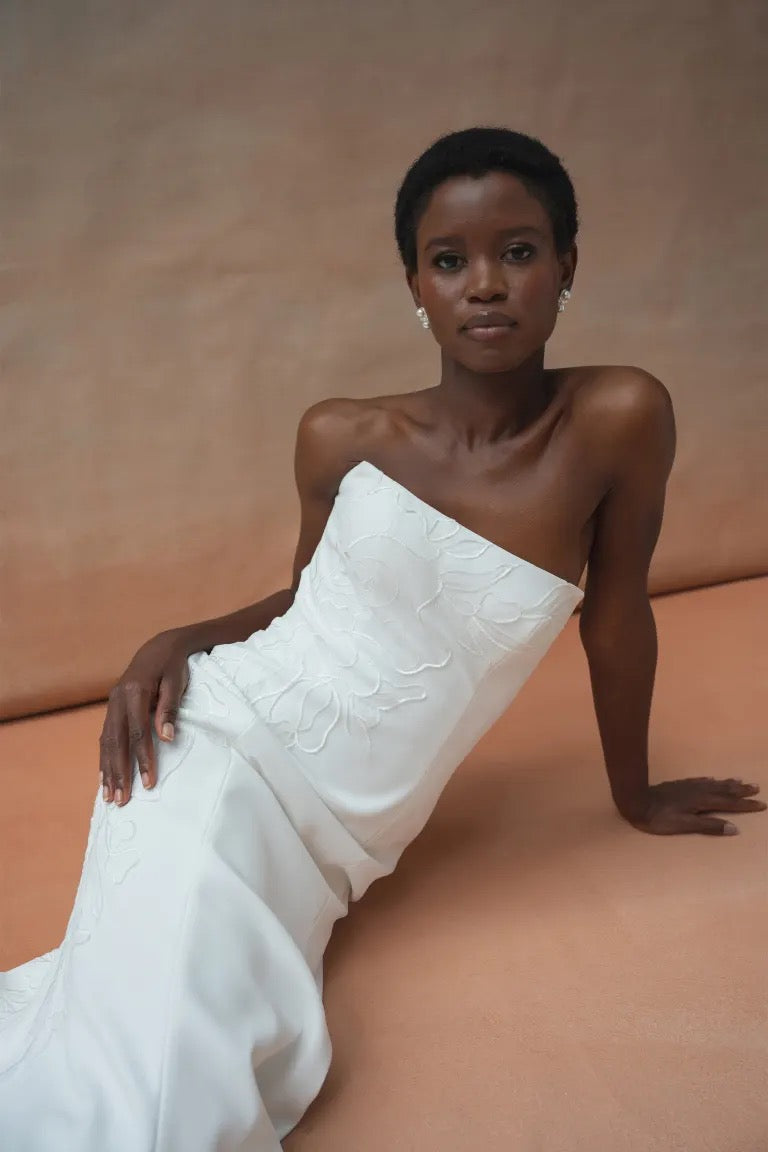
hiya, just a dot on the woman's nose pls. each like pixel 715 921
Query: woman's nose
pixel 486 280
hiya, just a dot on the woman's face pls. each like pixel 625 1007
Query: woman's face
pixel 486 245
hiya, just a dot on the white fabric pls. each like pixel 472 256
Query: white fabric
pixel 183 1010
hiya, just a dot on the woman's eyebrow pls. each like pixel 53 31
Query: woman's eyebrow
pixel 457 239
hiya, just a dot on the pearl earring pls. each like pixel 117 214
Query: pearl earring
pixel 563 299
pixel 422 315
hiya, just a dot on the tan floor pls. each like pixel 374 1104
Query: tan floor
pixel 537 976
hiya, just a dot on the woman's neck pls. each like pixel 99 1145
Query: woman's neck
pixel 484 408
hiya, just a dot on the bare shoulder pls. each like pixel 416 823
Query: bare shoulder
pixel 327 420
pixel 620 392
pixel 336 433
pixel 625 412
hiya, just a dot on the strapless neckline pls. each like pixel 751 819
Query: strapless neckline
pixel 462 527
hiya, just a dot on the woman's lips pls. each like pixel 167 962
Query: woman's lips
pixel 486 332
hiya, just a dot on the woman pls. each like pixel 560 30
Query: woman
pixel 300 744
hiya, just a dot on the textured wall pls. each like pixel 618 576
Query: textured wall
pixel 196 243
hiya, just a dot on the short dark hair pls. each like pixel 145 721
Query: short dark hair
pixel 476 152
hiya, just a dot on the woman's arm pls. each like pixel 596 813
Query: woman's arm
pixel 617 625
pixel 156 678
pixel 239 625
pixel 622 671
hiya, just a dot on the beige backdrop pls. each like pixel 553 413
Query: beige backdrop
pixel 196 243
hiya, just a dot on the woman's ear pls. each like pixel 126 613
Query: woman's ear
pixel 568 267
pixel 412 280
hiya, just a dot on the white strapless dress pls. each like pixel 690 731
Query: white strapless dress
pixel 183 1011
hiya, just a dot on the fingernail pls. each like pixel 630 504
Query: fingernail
pixel 105 792
pixel 119 795
pixel 730 829
pixel 167 731
pixel 145 779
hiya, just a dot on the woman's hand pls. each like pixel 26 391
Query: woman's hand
pixel 156 679
pixel 677 806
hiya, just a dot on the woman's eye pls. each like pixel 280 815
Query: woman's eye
pixel 519 252
pixel 445 256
